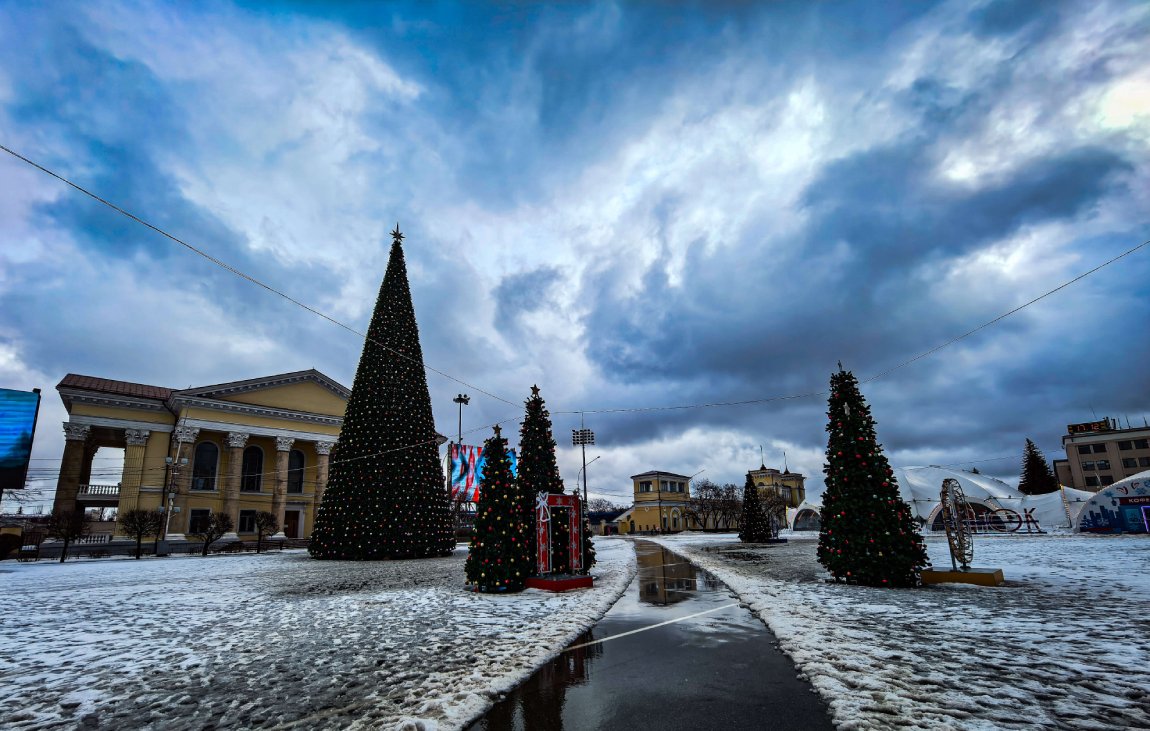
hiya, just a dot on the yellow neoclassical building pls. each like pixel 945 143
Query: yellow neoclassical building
pixel 661 502
pixel 239 448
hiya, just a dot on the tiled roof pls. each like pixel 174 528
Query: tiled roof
pixel 107 385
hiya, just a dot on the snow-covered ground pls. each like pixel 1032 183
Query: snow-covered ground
pixel 1064 644
pixel 275 641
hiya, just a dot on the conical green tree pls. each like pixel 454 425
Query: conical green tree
pixel 868 535
pixel 498 559
pixel 385 496
pixel 538 467
pixel 753 524
pixel 1037 477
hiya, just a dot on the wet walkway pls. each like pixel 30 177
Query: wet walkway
pixel 684 655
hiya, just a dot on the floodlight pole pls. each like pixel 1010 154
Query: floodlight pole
pixel 581 437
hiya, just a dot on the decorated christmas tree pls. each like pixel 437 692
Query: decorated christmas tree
pixel 753 523
pixel 385 496
pixel 588 546
pixel 499 558
pixel 538 468
pixel 868 535
pixel 1037 477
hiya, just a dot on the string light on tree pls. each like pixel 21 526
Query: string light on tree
pixel 498 558
pixel 385 498
pixel 868 535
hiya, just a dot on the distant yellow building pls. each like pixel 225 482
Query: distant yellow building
pixel 791 486
pixel 661 501
pixel 237 448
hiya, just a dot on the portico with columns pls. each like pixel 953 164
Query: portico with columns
pixel 239 448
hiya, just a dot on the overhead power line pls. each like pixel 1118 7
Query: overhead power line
pixel 888 371
pixel 248 277
pixel 715 404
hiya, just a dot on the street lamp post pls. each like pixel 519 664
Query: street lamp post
pixel 463 400
pixel 175 464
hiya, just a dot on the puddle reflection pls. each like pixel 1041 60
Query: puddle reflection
pixel 664 578
pixel 538 703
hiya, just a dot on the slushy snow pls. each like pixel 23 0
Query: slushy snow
pixel 275 641
pixel 1064 644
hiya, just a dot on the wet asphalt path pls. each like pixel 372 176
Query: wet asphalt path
pixel 716 668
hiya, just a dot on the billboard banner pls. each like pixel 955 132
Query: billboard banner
pixel 18 410
pixel 467 470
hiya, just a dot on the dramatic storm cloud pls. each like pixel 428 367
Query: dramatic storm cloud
pixel 633 206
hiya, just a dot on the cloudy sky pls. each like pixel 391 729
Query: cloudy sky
pixel 632 205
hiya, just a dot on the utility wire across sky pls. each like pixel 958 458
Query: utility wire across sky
pixel 715 404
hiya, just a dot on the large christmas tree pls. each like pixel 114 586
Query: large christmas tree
pixel 538 468
pixel 1037 477
pixel 753 523
pixel 385 495
pixel 868 535
pixel 499 558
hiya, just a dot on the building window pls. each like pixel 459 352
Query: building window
pixel 1100 449
pixel 207 457
pixel 1084 449
pixel 1142 443
pixel 198 520
pixel 1106 479
pixel 644 487
pixel 1129 463
pixel 295 471
pixel 1125 446
pixel 1088 466
pixel 247 521
pixel 253 469
pixel 1092 481
pixel 1102 464
pixel 1144 461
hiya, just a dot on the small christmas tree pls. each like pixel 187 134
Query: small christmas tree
pixel 385 496
pixel 868 535
pixel 538 468
pixel 498 559
pixel 1037 477
pixel 753 524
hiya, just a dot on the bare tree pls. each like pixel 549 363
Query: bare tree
pixel 266 524
pixel 705 503
pixel 68 526
pixel 730 507
pixel 774 508
pixel 603 505
pixel 139 523
pixel 216 525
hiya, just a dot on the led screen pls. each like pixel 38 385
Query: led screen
pixel 467 470
pixel 17 425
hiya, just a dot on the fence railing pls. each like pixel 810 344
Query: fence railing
pixel 102 490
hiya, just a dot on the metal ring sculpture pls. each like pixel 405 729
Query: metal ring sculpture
pixel 958 534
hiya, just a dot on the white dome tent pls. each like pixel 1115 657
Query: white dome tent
pixel 1123 507
pixel 997 507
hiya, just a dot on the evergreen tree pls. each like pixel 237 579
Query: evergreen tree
pixel 868 535
pixel 753 524
pixel 588 546
pixel 1037 477
pixel 498 559
pixel 385 495
pixel 538 467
